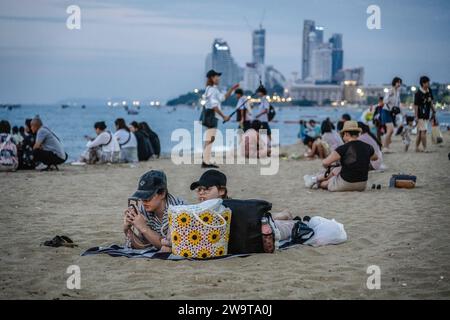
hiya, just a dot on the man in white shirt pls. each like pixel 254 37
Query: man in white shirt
pixel 391 100
pixel 244 110
pixel 264 107
pixel 103 148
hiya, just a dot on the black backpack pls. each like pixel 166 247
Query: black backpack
pixel 271 114
pixel 245 228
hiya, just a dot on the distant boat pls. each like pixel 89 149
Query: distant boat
pixel 10 106
pixel 130 111
pixel 64 106
pixel 83 107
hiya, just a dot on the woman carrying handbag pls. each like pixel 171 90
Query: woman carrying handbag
pixel 212 111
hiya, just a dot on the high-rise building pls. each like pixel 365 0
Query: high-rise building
pixel 253 73
pixel 337 54
pixel 308 27
pixel 354 75
pixel 320 70
pixel 220 59
pixel 319 33
pixel 259 45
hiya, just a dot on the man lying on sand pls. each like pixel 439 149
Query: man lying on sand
pixel 149 227
pixel 354 157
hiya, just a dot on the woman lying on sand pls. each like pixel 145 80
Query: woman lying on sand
pixel 354 157
pixel 150 226
pixel 213 185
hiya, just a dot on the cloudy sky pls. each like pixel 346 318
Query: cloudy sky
pixel 156 48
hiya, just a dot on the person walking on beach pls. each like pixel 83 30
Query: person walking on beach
pixel 423 105
pixel 244 110
pixel 127 142
pixel 264 108
pixel 47 149
pixel 354 157
pixel 391 103
pixel 212 112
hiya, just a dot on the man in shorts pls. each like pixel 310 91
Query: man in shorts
pixel 423 104
pixel 354 157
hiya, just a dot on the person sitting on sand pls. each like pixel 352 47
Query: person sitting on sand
pixel 345 117
pixel 154 139
pixel 213 185
pixel 47 149
pixel 330 136
pixel 316 148
pixel 312 129
pixel 8 149
pixel 253 143
pixel 368 137
pixel 103 148
pixel 144 145
pixel 354 157
pixel 127 142
pixel 149 227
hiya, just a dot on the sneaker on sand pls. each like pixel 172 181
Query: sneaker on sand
pixel 41 167
pixel 310 180
pixel 78 163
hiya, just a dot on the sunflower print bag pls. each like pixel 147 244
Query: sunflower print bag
pixel 200 231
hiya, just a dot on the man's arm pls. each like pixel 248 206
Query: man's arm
pixel 39 140
pixel 332 158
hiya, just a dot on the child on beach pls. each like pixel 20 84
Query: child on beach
pixel 406 133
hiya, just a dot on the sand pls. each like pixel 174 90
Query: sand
pixel 404 232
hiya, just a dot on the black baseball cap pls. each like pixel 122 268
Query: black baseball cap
pixel 212 73
pixel 149 184
pixel 210 178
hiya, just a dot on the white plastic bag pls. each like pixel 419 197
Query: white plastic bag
pixel 326 232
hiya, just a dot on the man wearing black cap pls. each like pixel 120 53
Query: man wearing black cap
pixel 213 99
pixel 149 226
pixel 211 185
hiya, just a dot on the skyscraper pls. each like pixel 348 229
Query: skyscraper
pixel 337 54
pixel 259 45
pixel 220 59
pixel 320 69
pixel 308 27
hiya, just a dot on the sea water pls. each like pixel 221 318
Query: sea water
pixel 72 123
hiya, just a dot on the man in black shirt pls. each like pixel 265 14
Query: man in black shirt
pixel 423 105
pixel 354 157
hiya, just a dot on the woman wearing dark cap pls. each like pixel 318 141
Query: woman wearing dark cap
pixel 147 225
pixel 213 111
pixel 213 185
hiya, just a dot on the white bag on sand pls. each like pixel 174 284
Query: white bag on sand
pixel 326 232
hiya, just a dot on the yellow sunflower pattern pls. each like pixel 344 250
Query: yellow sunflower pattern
pixel 184 220
pixel 202 237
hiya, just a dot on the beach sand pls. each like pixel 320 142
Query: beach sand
pixel 404 232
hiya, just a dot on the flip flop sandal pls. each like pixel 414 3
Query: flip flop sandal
pixel 60 241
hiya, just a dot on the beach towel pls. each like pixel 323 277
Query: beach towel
pixel 153 253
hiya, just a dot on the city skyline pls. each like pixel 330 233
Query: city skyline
pixel 141 49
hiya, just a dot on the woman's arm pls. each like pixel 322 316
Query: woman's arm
pixel 140 224
pixel 231 90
